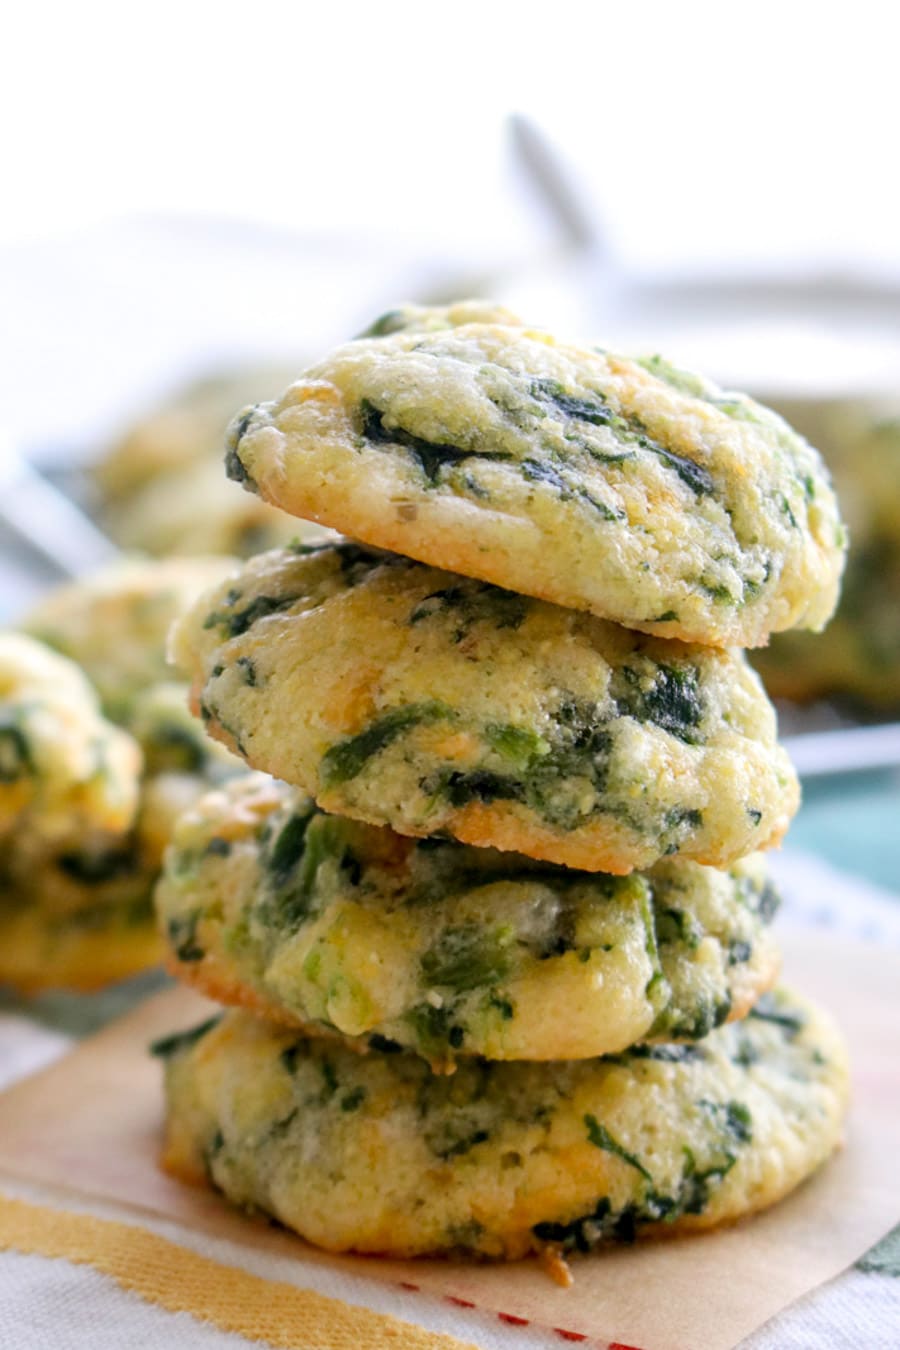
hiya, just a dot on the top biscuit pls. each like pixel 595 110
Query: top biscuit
pixel 626 488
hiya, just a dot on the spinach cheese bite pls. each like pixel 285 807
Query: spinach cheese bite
pixel 162 487
pixel 857 659
pixel 350 929
pixel 86 811
pixel 66 774
pixel 115 622
pixel 162 519
pixel 376 1153
pixel 70 813
pixel 83 951
pixel 627 488
pixel 79 914
pixel 185 428
pixel 400 695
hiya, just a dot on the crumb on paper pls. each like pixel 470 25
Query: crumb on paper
pixel 557 1267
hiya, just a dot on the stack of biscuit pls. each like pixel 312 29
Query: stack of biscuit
pixel 493 919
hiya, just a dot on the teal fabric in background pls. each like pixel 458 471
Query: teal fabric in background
pixel 853 821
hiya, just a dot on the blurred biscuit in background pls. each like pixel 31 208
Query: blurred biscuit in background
pixel 857 658
pixel 163 488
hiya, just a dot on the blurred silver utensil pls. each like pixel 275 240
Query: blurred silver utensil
pixel 576 227
pixel 47 521
pixel 561 196
pixel 818 754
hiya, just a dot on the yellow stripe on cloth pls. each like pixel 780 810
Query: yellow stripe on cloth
pixel 180 1280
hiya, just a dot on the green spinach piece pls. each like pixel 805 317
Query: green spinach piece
pixel 182 935
pixel 247 667
pixel 173 749
pixel 539 471
pixel 472 603
pixel 166 1047
pixel 739 1121
pixel 576 746
pixel 601 1138
pixel 296 853
pixel 234 622
pixel 432 456
pixel 517 744
pixel 392 321
pixel 672 701
pixel 739 952
pixel 676 925
pixel 288 846
pixel 346 759
pixel 629 430
pixel 353 1099
pixel 15 754
pixel 93 869
pixel 434 1028
pixel 767 1010
pixel 469 956
pixel 234 466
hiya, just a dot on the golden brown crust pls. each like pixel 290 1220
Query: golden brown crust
pixel 599 847
pixel 183 1169
pixel 212 978
pixel 215 980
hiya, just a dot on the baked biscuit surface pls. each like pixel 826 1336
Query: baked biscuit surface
pixel 631 490
pixel 377 1154
pixel 65 772
pixel 84 949
pixel 163 518
pixel 448 950
pixel 76 864
pixel 115 623
pixel 858 656
pixel 857 659
pixel 79 914
pixel 401 695
pixel 187 428
pixel 87 808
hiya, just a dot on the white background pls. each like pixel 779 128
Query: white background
pixel 192 183
pixel 706 131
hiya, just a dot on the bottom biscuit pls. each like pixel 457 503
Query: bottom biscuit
pixel 378 1154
